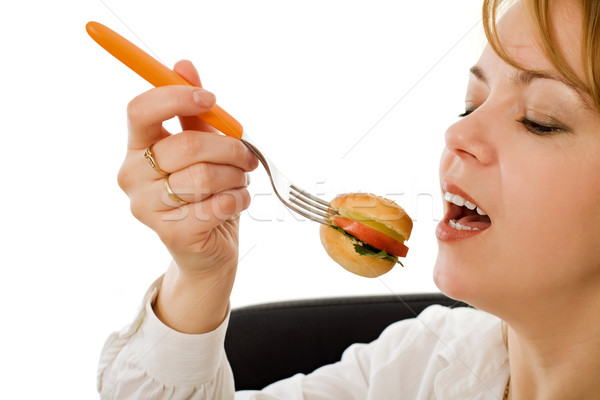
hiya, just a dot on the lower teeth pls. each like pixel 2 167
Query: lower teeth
pixel 460 227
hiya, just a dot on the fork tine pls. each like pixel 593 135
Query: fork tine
pixel 309 199
pixel 305 214
pixel 310 196
pixel 305 200
pixel 308 208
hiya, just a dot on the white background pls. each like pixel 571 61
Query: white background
pixel 342 95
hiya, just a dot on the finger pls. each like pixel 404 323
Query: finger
pixel 193 184
pixel 187 71
pixel 147 112
pixel 179 151
pixel 137 170
pixel 191 222
pixel 172 155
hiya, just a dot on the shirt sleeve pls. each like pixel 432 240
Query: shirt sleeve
pixel 149 360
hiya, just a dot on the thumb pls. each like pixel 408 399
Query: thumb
pixel 187 71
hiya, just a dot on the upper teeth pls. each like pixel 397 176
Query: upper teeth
pixel 459 201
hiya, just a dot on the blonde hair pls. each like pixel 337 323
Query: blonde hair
pixel 540 11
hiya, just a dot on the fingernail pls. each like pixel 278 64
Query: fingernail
pixel 204 98
pixel 247 178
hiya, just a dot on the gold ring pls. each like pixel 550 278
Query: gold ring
pixel 172 194
pixel 149 155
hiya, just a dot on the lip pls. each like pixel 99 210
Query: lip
pixel 454 189
pixel 444 231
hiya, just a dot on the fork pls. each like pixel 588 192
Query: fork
pixel 152 70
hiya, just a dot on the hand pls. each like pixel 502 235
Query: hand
pixel 206 169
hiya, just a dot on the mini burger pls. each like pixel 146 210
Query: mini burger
pixel 367 235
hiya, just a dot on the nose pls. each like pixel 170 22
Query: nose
pixel 470 139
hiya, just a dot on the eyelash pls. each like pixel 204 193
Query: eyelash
pixel 531 126
pixel 539 129
pixel 466 113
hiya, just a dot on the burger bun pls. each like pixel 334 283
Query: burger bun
pixel 340 246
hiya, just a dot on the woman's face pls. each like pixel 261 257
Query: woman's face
pixel 528 154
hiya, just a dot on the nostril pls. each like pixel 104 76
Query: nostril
pixel 465 154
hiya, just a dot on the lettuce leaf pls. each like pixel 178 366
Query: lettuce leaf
pixel 367 250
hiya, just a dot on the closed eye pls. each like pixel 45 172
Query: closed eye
pixel 540 129
pixel 467 112
pixel 531 126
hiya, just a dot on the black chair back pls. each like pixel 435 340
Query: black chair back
pixel 269 342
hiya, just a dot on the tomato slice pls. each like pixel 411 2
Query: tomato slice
pixel 372 236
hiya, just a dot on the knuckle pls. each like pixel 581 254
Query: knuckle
pixel 123 178
pixel 188 143
pixel 226 206
pixel 232 202
pixel 202 174
pixel 126 176
pixel 135 108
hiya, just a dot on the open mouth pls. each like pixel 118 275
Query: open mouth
pixel 465 215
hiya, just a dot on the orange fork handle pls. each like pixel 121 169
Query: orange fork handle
pixel 157 74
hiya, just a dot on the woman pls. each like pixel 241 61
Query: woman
pixel 527 152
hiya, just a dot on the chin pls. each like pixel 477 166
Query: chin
pixel 454 279
pixel 466 281
pixel 446 282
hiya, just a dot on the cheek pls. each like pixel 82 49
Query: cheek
pixel 551 219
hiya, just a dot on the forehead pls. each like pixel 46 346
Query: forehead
pixel 520 36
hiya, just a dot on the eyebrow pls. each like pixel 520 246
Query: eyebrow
pixel 520 77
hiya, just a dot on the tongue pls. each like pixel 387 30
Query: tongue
pixel 475 221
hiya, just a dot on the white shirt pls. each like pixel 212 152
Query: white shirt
pixel 442 354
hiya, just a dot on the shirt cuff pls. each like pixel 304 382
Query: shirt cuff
pixel 178 358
